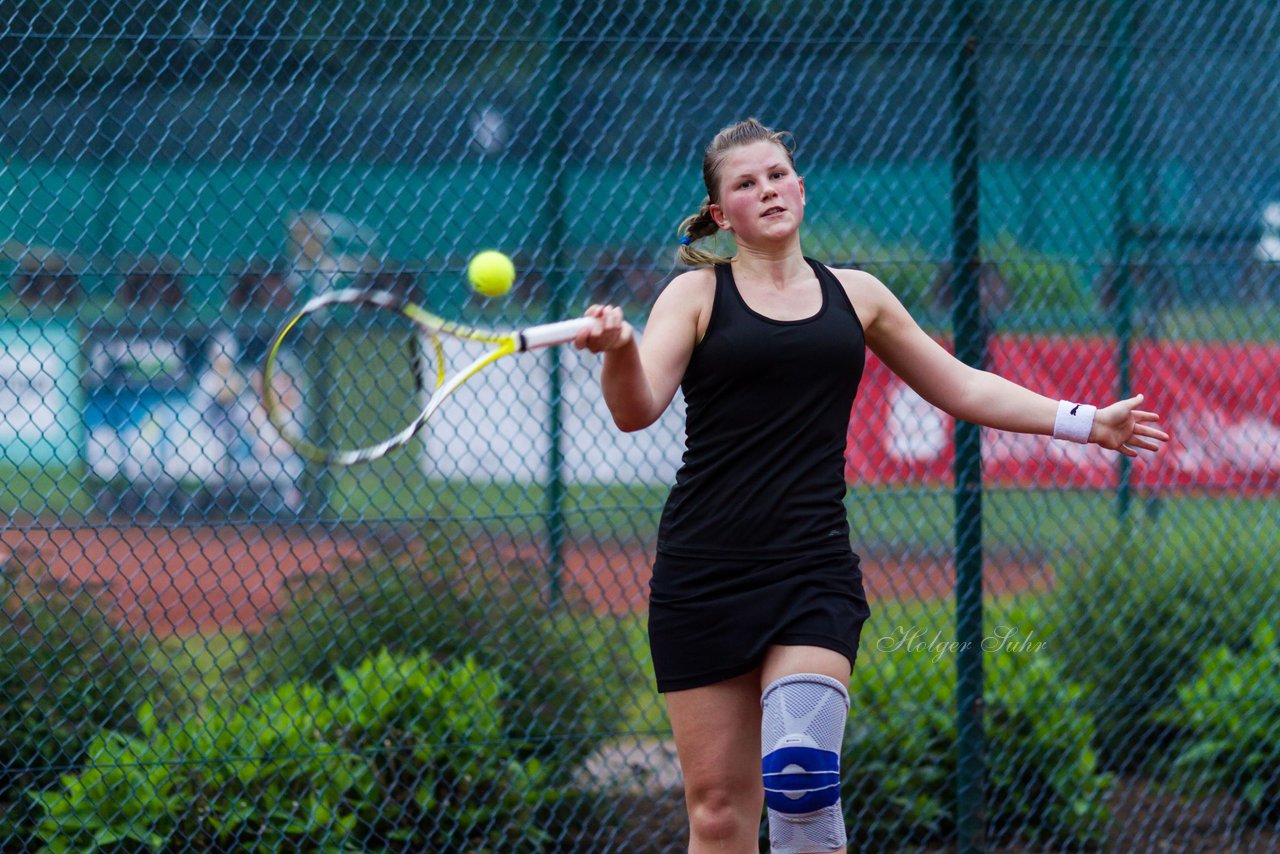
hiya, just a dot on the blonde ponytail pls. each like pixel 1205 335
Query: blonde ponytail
pixel 696 227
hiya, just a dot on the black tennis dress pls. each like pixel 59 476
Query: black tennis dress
pixel 753 545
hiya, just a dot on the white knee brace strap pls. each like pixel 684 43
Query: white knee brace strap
pixel 802 730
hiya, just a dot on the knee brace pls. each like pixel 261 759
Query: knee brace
pixel 802 730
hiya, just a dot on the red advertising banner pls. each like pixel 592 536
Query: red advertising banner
pixel 1219 401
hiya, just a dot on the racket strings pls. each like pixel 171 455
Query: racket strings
pixel 377 368
pixel 360 375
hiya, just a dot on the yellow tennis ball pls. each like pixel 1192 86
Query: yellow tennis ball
pixel 491 273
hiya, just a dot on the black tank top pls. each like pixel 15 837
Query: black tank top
pixel 768 405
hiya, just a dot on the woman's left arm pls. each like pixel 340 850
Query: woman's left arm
pixel 977 396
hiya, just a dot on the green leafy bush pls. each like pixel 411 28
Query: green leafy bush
pixel 1230 712
pixel 1043 767
pixel 401 753
pixel 559 678
pixel 67 668
pixel 900 750
pixel 1134 613
pixel 200 669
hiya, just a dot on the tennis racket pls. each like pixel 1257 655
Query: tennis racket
pixel 384 366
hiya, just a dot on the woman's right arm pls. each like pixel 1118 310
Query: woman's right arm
pixel 640 375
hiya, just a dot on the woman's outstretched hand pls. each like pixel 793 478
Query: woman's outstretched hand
pixel 1124 428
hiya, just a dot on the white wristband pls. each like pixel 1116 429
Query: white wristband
pixel 1074 421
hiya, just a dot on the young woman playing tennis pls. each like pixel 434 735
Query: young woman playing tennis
pixel 756 603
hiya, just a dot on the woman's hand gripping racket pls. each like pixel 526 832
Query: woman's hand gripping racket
pixel 384 363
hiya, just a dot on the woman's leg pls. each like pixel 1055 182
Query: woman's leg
pixel 717 732
pixel 806 706
pixel 782 661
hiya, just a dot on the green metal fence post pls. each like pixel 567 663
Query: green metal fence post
pixel 554 170
pixel 1122 140
pixel 970 346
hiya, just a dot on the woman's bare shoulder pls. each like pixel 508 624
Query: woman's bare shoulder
pixel 868 294
pixel 693 290
pixel 690 295
pixel 853 277
pixel 692 284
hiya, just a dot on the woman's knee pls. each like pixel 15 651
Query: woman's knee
pixel 718 811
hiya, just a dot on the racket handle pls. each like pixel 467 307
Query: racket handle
pixel 548 334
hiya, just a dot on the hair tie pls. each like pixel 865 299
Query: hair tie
pixel 686 240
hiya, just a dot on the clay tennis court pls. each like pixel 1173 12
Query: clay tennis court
pixel 189 579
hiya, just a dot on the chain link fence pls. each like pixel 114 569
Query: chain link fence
pixel 209 645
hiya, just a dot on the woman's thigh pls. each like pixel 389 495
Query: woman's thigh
pixel 717 733
pixel 780 661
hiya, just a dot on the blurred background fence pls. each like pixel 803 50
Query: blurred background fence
pixel 210 646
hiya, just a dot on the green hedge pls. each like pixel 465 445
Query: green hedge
pixel 1135 613
pixel 1229 716
pixel 523 704
pixel 67 668
pixel 402 754
pixel 900 748
pixel 550 660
